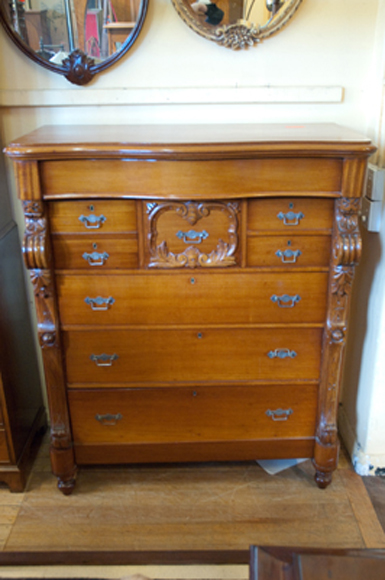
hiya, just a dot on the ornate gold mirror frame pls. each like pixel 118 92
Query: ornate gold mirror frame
pixel 242 32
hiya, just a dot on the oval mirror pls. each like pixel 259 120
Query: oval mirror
pixel 236 23
pixel 75 38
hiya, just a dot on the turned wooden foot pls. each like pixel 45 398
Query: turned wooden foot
pixel 323 478
pixel 64 467
pixel 66 487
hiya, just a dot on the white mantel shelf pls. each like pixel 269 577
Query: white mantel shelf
pixel 74 97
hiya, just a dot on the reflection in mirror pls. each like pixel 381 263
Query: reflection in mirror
pixel 236 23
pixel 77 38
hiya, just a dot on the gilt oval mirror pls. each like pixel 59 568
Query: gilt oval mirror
pixel 236 23
pixel 75 38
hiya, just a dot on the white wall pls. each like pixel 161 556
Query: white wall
pixel 325 66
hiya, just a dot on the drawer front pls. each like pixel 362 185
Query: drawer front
pixel 289 252
pixel 191 234
pixel 236 298
pixel 290 214
pixel 156 356
pixel 216 413
pixel 90 217
pixel 223 178
pixel 4 455
pixel 97 253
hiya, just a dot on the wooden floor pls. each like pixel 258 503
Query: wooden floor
pixel 188 507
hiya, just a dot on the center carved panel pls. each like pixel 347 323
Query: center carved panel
pixel 192 234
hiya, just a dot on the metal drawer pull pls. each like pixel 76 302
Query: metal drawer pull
pixel 286 301
pixel 192 236
pixel 279 414
pixel 92 222
pixel 290 218
pixel 108 419
pixel 282 353
pixel 95 258
pixel 103 360
pixel 99 303
pixel 288 256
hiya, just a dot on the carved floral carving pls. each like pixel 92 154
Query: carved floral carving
pixel 41 281
pixel 238 36
pixel 192 257
pixel 77 67
pixel 222 256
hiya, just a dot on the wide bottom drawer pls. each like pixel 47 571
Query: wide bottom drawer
pixel 186 415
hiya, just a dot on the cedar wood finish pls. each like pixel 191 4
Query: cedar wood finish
pixel 215 347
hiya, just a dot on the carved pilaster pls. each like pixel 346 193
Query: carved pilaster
pixel 346 253
pixel 37 258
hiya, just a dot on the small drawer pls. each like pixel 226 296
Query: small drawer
pixel 191 234
pixel 95 253
pixel 90 217
pixel 4 454
pixel 208 354
pixel 193 414
pixel 288 251
pixel 202 298
pixel 290 214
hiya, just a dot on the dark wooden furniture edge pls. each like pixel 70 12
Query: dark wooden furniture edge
pixel 185 557
pixel 123 558
pixel 15 476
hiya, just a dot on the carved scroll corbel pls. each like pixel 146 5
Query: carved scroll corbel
pixel 35 246
pixel 37 259
pixel 346 253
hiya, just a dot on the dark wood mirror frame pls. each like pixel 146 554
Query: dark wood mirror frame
pixel 78 68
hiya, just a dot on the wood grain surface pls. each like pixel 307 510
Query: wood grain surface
pixel 193 298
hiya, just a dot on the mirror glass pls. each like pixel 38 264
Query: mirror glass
pixel 236 23
pixel 96 31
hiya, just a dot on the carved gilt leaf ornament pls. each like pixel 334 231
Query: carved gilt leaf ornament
pixel 236 25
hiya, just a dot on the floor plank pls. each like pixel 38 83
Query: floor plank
pixel 375 486
pixel 189 507
pixel 371 529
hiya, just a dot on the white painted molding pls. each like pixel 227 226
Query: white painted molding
pixel 168 96
pixel 363 463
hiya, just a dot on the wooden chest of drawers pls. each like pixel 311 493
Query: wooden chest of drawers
pixel 192 288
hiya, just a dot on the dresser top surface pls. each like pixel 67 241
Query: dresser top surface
pixel 85 140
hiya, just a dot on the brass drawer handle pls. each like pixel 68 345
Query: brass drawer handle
pixel 103 360
pixel 282 353
pixel 286 301
pixel 290 218
pixel 288 256
pixel 192 236
pixel 108 419
pixel 92 221
pixel 95 258
pixel 99 303
pixel 279 414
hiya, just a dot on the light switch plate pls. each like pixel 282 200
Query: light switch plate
pixel 371 214
pixel 375 182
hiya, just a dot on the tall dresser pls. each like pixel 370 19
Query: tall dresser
pixel 21 402
pixel 192 288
